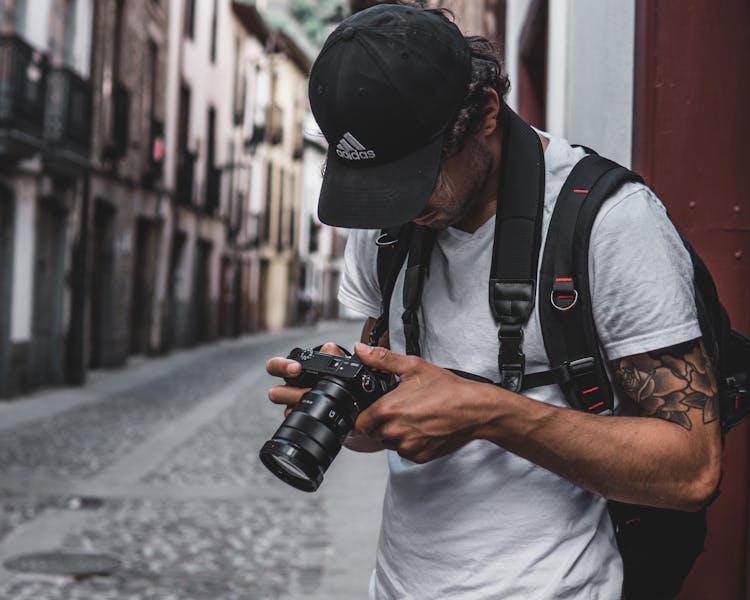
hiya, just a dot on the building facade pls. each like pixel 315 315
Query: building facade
pixel 45 143
pixel 151 158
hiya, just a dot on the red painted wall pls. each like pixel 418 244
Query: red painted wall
pixel 690 141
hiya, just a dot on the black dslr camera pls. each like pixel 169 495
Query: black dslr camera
pixel 311 436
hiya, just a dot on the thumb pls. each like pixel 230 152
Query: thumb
pixel 382 359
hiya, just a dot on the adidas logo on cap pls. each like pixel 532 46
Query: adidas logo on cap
pixel 351 149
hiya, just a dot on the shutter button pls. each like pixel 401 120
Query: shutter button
pixel 348 33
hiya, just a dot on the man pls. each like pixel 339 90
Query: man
pixel 491 493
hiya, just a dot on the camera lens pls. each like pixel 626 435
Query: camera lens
pixel 311 436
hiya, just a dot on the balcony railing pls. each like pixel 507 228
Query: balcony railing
pixel 23 81
pixel 67 124
pixel 213 190
pixel 186 178
pixel 118 144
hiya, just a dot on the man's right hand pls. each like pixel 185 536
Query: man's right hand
pixel 286 368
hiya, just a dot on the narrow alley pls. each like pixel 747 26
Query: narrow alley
pixel 156 467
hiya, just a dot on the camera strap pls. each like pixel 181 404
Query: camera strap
pixel 515 254
pixel 512 284
pixel 417 267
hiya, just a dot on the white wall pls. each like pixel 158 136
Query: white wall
pixel 600 74
pixel 590 66
pixel 23 260
pixel 82 42
pixel 36 23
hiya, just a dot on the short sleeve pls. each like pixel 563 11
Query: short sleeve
pixel 641 276
pixel 359 289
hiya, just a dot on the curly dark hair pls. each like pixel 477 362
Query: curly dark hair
pixel 487 72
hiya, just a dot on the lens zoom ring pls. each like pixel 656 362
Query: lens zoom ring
pixel 316 430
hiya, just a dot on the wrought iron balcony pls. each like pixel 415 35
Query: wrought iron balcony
pixel 23 81
pixel 67 124
pixel 213 190
pixel 186 178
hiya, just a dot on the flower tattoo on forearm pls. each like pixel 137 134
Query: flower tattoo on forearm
pixel 672 384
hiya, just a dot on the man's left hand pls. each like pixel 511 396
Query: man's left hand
pixel 431 413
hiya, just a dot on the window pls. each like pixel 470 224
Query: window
pixel 70 32
pixel 190 19
pixel 153 60
pixel 266 232
pixel 292 184
pixel 117 50
pixel 240 83
pixel 213 33
pixel 19 16
pixel 183 125
pixel 280 231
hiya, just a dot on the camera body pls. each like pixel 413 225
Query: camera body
pixel 308 440
pixel 365 385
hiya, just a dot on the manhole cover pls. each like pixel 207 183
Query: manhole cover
pixel 76 564
pixel 84 503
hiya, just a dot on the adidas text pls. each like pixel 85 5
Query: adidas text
pixel 355 154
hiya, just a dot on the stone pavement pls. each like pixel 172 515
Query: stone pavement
pixel 157 466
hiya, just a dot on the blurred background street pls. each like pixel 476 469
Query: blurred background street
pixel 159 240
pixel 157 466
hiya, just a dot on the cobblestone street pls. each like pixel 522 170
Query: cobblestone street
pixel 156 465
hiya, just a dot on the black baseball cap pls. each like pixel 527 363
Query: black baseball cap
pixel 384 90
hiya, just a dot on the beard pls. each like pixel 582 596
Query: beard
pixel 457 196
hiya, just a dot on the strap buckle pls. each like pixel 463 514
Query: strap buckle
pixel 738 393
pixel 568 371
pixel 511 360
pixel 411 332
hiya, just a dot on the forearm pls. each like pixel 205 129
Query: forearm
pixel 632 459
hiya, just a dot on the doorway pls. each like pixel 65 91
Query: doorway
pixel 102 285
pixel 7 227
pixel 145 258
pixel 47 338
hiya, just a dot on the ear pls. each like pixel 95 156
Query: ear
pixel 491 111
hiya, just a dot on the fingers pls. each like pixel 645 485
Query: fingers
pixel 289 369
pixel 285 394
pixel 331 348
pixel 283 367
pixel 384 360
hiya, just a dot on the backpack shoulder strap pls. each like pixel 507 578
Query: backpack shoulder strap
pixel 393 246
pixel 417 266
pixel 515 253
pixel 565 310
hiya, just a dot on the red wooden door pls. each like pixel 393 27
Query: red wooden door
pixel 691 131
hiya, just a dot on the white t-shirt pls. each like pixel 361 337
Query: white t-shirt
pixel 482 523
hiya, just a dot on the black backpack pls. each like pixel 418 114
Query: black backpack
pixel 658 546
